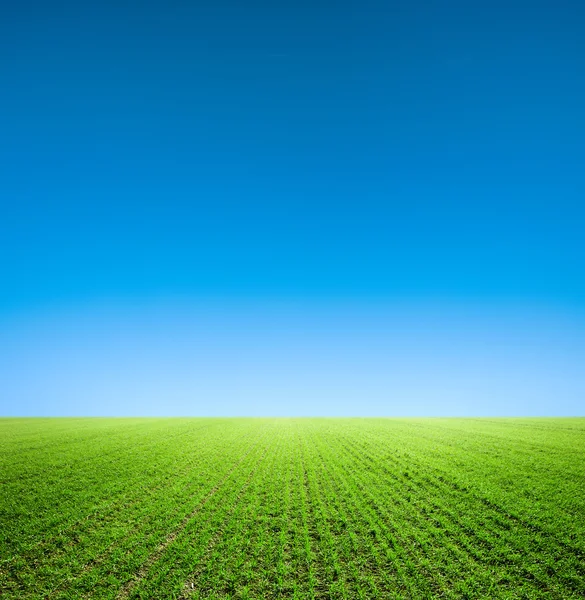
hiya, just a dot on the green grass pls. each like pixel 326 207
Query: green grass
pixel 292 508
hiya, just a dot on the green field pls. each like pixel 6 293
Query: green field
pixel 292 508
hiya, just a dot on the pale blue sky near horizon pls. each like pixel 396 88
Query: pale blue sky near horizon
pixel 293 358
pixel 233 208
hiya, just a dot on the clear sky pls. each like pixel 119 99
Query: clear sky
pixel 254 207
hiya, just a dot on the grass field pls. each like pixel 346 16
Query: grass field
pixel 292 508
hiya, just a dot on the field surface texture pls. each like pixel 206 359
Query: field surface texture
pixel 292 508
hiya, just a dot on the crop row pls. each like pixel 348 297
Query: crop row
pixel 296 508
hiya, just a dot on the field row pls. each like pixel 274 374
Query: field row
pixel 292 508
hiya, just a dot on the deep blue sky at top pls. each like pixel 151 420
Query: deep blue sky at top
pixel 361 149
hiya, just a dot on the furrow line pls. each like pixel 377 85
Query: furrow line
pixel 149 515
pixel 111 505
pixel 392 556
pixel 444 484
pixel 422 516
pixel 190 587
pixel 128 588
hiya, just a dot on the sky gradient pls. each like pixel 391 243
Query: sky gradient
pixel 335 173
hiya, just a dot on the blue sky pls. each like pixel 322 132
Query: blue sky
pixel 335 173
pixel 294 358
